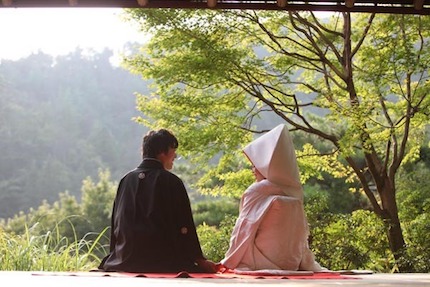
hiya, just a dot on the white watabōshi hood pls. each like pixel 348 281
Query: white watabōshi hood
pixel 273 154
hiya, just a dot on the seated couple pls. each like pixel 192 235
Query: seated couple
pixel 152 228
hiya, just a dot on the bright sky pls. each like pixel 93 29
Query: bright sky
pixel 58 31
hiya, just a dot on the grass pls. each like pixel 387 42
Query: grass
pixel 48 252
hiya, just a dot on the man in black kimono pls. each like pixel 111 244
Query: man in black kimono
pixel 152 228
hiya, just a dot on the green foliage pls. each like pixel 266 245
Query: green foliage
pixel 334 195
pixel 72 221
pixel 414 210
pixel 396 60
pixel 352 241
pixel 226 179
pixel 317 207
pixel 212 84
pixel 355 240
pixel 414 191
pixel 97 200
pixel 60 215
pixel 64 236
pixel 215 240
pixel 212 212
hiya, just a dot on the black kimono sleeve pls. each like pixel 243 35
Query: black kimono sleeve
pixel 182 232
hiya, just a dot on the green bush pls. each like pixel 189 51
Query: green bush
pixel 414 212
pixel 213 212
pixel 353 241
pixel 215 240
pixel 69 218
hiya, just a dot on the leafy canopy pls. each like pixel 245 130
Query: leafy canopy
pixel 217 74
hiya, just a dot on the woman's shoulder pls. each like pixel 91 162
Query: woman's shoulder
pixel 263 183
pixel 264 186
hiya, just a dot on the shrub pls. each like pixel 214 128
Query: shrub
pixel 215 240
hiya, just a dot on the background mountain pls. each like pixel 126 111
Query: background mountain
pixel 61 120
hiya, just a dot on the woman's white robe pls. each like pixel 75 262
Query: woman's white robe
pixel 271 232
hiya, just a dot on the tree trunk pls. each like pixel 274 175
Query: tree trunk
pixel 390 216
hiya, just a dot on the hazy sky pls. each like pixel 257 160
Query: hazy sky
pixel 58 31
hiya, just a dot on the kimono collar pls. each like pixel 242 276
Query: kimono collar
pixel 151 163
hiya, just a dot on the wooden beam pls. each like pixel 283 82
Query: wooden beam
pixel 418 4
pixel 360 6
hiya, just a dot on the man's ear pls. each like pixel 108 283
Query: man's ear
pixel 161 155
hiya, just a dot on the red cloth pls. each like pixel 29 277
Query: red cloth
pixel 228 274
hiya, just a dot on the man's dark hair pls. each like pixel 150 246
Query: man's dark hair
pixel 157 142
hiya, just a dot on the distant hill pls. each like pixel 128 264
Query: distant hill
pixel 61 119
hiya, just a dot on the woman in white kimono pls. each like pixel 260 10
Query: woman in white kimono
pixel 271 231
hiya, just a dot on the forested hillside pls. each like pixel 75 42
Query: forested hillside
pixel 61 119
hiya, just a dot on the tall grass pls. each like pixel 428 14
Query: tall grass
pixel 49 252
